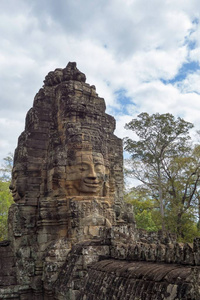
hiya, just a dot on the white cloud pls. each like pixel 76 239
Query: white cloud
pixel 156 97
pixel 119 44
pixel 9 128
pixel 190 84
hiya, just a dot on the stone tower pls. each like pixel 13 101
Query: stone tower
pixel 71 236
pixel 67 179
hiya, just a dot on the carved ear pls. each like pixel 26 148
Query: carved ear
pixel 107 177
pixel 105 189
pixel 69 189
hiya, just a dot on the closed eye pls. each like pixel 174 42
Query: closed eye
pixel 15 174
pixel 82 169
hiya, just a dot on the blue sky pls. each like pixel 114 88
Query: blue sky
pixel 142 56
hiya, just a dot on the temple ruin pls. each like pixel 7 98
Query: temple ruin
pixel 71 235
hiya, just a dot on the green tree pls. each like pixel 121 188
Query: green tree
pixel 146 209
pixel 183 194
pixel 5 195
pixel 163 140
pixel 5 202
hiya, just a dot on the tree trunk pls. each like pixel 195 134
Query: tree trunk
pixel 161 197
pixel 198 224
pixel 179 225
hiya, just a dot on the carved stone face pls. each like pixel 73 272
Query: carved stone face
pixel 86 174
pixel 18 184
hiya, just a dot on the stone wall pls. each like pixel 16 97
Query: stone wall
pixel 113 279
pixel 7 265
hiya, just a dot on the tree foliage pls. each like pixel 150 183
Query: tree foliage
pixel 5 195
pixel 168 165
pixel 5 202
pixel 146 209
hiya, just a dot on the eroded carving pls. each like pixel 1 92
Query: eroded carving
pixel 86 174
pixel 67 181
pixel 59 75
pixel 19 182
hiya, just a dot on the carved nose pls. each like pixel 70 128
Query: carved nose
pixel 92 174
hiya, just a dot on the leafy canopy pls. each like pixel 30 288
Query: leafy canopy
pixel 160 136
pixel 168 165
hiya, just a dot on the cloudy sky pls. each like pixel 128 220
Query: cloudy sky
pixel 142 56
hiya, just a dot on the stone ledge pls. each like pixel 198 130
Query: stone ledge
pixel 113 279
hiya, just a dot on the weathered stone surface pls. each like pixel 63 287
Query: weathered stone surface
pixel 71 236
pixel 7 265
pixel 113 279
